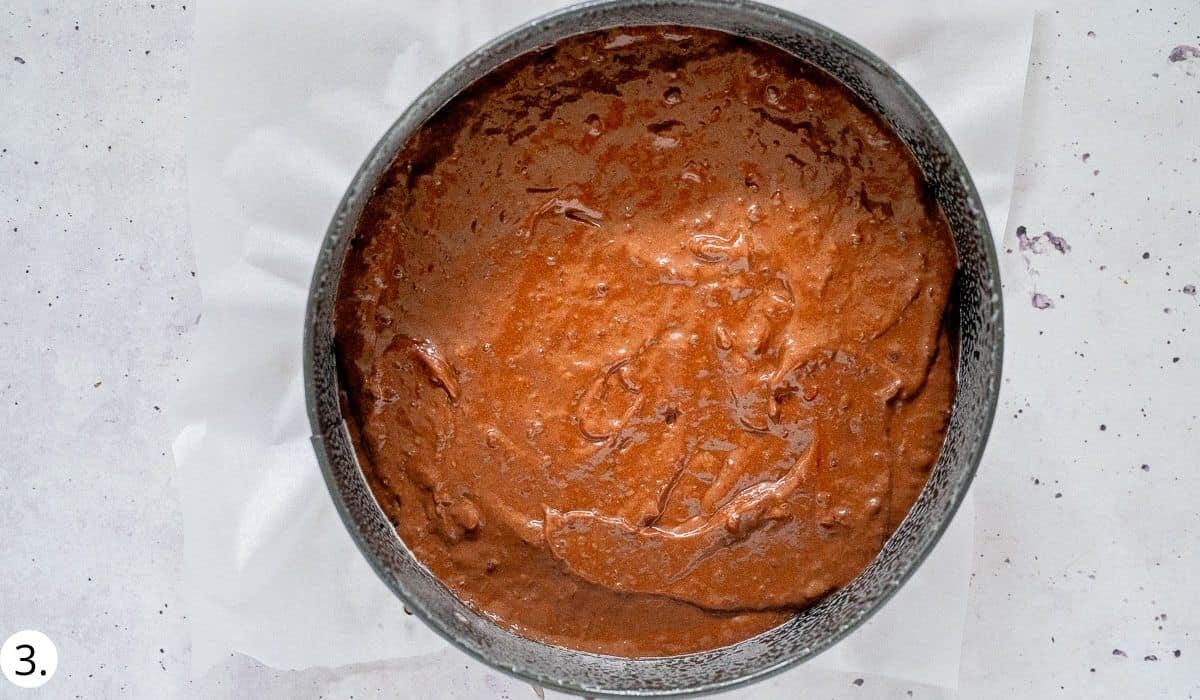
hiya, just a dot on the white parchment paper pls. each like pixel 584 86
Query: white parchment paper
pixel 287 99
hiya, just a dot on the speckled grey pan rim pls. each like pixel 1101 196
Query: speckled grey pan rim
pixel 809 633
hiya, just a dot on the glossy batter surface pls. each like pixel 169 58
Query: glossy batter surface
pixel 644 340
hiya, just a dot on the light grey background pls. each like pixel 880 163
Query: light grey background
pixel 98 303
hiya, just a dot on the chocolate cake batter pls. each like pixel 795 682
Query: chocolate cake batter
pixel 644 340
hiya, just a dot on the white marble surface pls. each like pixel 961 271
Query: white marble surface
pixel 98 303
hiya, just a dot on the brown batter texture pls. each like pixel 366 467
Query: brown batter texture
pixel 644 340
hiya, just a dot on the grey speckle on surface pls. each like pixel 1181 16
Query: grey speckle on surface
pixel 1182 53
pixel 1189 289
pixel 1041 301
pixel 858 682
pixel 18 59
pixel 1118 652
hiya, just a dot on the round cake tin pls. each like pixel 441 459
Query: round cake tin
pixel 980 333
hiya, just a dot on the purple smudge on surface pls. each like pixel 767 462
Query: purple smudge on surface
pixel 1085 157
pixel 1041 301
pixel 1182 53
pixel 1032 244
pixel 1091 35
pixel 1060 244
pixel 1118 652
pixel 1189 289
pixel 1024 242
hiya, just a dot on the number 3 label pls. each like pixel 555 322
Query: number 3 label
pixel 28 659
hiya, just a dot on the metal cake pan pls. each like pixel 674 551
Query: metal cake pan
pixel 980 334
